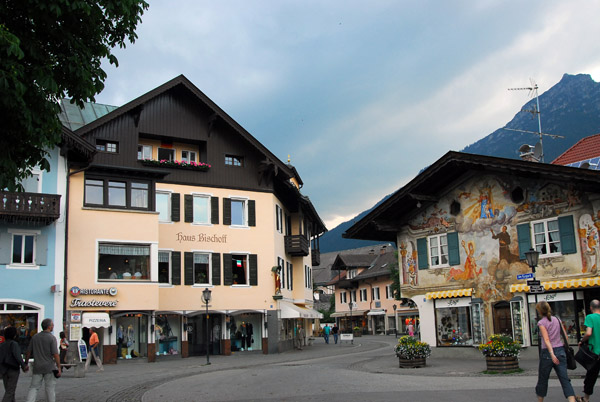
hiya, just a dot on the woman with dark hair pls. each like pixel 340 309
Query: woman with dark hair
pixel 64 346
pixel 10 356
pixel 552 354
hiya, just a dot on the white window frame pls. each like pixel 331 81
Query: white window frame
pixel 376 294
pixel 363 295
pixel 389 292
pixel 146 152
pixel 209 276
pixel 278 218
pixel 208 209
pixel 168 194
pixel 168 149
pixel 343 297
pixel 33 264
pixel 245 211
pixel 169 283
pixel 353 296
pixel 246 256
pixel 188 157
pixel 546 244
pixel 438 247
pixel 351 273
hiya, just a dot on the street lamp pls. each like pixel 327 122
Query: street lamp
pixel 395 320
pixel 206 299
pixel 532 256
pixel 351 303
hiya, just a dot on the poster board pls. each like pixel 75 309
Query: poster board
pixel 82 347
pixel 75 332
pixel 347 337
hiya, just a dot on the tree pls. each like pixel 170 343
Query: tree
pixel 49 50
pixel 395 276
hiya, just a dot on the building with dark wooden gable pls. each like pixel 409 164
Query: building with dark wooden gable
pixel 462 228
pixel 180 199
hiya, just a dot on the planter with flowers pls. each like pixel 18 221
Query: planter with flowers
pixel 501 353
pixel 412 352
pixel 200 166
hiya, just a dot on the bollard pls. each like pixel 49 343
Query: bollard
pixel 80 370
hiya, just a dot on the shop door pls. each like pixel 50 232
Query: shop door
pixel 197 336
pixel 502 319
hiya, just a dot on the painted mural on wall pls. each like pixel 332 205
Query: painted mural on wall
pixel 485 213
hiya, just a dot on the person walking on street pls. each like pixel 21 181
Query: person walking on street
pixel 592 335
pixel 63 346
pixel 46 366
pixel 10 362
pixel 326 331
pixel 94 344
pixel 335 331
pixel 552 354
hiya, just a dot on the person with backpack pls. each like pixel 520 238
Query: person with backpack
pixel 10 363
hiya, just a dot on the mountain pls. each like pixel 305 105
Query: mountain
pixel 571 109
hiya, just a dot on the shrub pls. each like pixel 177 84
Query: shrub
pixel 500 346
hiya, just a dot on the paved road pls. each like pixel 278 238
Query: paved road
pixel 364 371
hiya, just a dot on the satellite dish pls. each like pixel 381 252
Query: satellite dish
pixel 525 148
pixel 585 165
pixel 537 151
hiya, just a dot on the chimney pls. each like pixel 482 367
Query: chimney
pixel 372 252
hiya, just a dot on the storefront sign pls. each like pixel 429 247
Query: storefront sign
pixel 77 302
pixel 76 292
pixel 551 297
pixel 76 317
pixel 201 238
pixel 455 302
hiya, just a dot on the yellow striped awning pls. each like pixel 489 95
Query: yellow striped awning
pixel 563 284
pixel 449 293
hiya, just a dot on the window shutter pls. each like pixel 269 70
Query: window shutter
pixel 227 272
pixel 216 269
pixel 189 268
pixel 422 253
pixel 41 250
pixel 567 235
pixel 524 239
pixel 175 207
pixel 253 269
pixel 188 208
pixel 176 267
pixel 226 211
pixel 214 210
pixel 5 248
pixel 251 213
pixel 453 249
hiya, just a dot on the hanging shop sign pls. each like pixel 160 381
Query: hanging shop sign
pixel 200 238
pixel 77 301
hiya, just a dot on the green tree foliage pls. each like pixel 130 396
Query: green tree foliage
pixel 395 276
pixel 49 50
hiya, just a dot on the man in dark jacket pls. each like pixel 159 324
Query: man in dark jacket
pixel 10 356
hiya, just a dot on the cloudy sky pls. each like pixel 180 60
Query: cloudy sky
pixel 361 94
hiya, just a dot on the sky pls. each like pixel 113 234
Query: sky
pixel 360 94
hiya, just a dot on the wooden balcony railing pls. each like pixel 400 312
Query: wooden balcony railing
pixel 296 245
pixel 315 257
pixel 29 207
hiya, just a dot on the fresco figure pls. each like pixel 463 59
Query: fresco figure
pixel 589 238
pixel 503 245
pixel 470 268
pixel 485 203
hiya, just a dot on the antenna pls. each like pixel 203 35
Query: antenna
pixel 538 151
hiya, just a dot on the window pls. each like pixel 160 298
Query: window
pixel 546 237
pixel 343 297
pixel 351 273
pixel 375 293
pixel 239 269
pixel 201 268
pixel 107 146
pixel 144 152
pixel 363 295
pixel 23 249
pixel 238 212
pixel 353 296
pixel 279 218
pixel 163 206
pixel 438 250
pixel 164 267
pixel 290 275
pixel 307 277
pixel 188 156
pixel 389 294
pixel 117 194
pixel 166 154
pixel 32 184
pixel 201 209
pixel 233 160
pixel 123 261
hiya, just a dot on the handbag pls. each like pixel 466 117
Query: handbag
pixel 571 363
pixel 585 356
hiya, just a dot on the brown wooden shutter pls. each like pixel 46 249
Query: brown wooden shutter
pixel 176 267
pixel 216 269
pixel 175 207
pixel 188 208
pixel 227 270
pixel 253 270
pixel 189 268
pixel 226 211
pixel 251 213
pixel 214 210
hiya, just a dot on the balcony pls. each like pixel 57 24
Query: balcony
pixel 296 245
pixel 315 257
pixel 29 207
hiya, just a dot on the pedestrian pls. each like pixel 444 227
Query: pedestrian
pixel 46 362
pixel 326 331
pixel 592 335
pixel 93 352
pixel 299 336
pixel 11 360
pixel 411 329
pixel 335 331
pixel 63 346
pixel 552 354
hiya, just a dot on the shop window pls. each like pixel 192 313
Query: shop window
pixel 24 318
pixel 123 261
pixel 188 156
pixel 166 154
pixel 233 160
pixel 239 269
pixel 107 146
pixel 163 206
pixel 109 193
pixel 201 268
pixel 132 336
pixel 144 152
pixel 164 267
pixel 454 326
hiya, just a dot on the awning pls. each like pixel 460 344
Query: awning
pixel 289 310
pixel 355 313
pixel 376 312
pixel 449 293
pixel 95 320
pixel 563 284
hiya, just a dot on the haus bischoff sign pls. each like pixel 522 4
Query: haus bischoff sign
pixel 77 301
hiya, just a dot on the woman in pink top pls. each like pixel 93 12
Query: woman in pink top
pixel 552 354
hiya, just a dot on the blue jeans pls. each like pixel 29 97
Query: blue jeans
pixel 546 365
pixel 335 337
pixel 326 336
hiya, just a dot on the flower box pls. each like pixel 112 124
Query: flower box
pixel 412 352
pixel 501 353
pixel 502 363
pixel 199 166
pixel 412 363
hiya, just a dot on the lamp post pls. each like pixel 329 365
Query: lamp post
pixel 395 320
pixel 532 256
pixel 351 303
pixel 206 299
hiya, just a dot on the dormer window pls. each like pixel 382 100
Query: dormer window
pixel 233 160
pixel 351 273
pixel 107 146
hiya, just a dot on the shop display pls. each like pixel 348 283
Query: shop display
pixel 453 326
pixel 478 324
pixel 517 321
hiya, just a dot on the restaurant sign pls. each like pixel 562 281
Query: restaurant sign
pixel 77 292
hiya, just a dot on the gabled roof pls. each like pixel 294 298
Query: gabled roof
pixel 353 261
pixel 76 148
pixel 73 117
pixel 379 267
pixel 383 222
pixel 584 149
